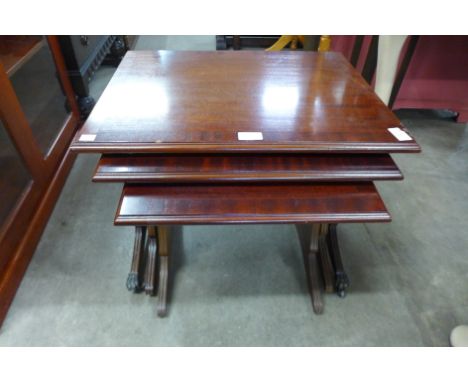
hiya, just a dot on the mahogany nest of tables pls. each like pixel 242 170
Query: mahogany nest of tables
pixel 243 137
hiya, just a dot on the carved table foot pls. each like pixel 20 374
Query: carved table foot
pixel 342 284
pixel 86 105
pixel 116 53
pixel 134 277
pixel 163 255
pixel 133 284
pixel 341 278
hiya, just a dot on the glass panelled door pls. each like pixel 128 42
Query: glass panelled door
pixel 37 87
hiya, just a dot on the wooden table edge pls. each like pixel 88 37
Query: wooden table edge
pixel 257 219
pixel 254 177
pixel 191 148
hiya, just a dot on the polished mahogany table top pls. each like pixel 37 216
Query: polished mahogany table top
pixel 227 168
pixel 173 102
pixel 142 204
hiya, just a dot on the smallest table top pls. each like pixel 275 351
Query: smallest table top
pixel 226 101
pixel 260 203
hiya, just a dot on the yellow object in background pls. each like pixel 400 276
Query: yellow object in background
pixel 284 40
pixel 325 42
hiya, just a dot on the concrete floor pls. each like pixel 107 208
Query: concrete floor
pixel 245 285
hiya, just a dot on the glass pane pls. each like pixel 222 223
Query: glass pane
pixel 38 89
pixel 14 177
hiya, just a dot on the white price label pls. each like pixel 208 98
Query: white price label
pixel 87 137
pixel 400 134
pixel 250 136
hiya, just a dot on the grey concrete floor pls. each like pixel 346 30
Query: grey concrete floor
pixel 245 285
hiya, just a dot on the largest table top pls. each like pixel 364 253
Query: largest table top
pixel 167 101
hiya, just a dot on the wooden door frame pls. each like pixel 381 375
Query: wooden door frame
pixel 21 230
pixel 56 151
pixel 39 165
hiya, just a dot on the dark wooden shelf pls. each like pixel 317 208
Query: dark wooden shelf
pixel 249 168
pixel 253 203
pixel 15 51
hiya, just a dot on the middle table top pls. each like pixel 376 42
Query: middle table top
pixel 168 101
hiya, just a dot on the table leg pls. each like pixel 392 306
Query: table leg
pixel 328 271
pixel 151 262
pixel 341 278
pixel 163 255
pixel 134 276
pixel 311 262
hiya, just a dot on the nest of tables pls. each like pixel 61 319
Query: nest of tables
pixel 243 138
